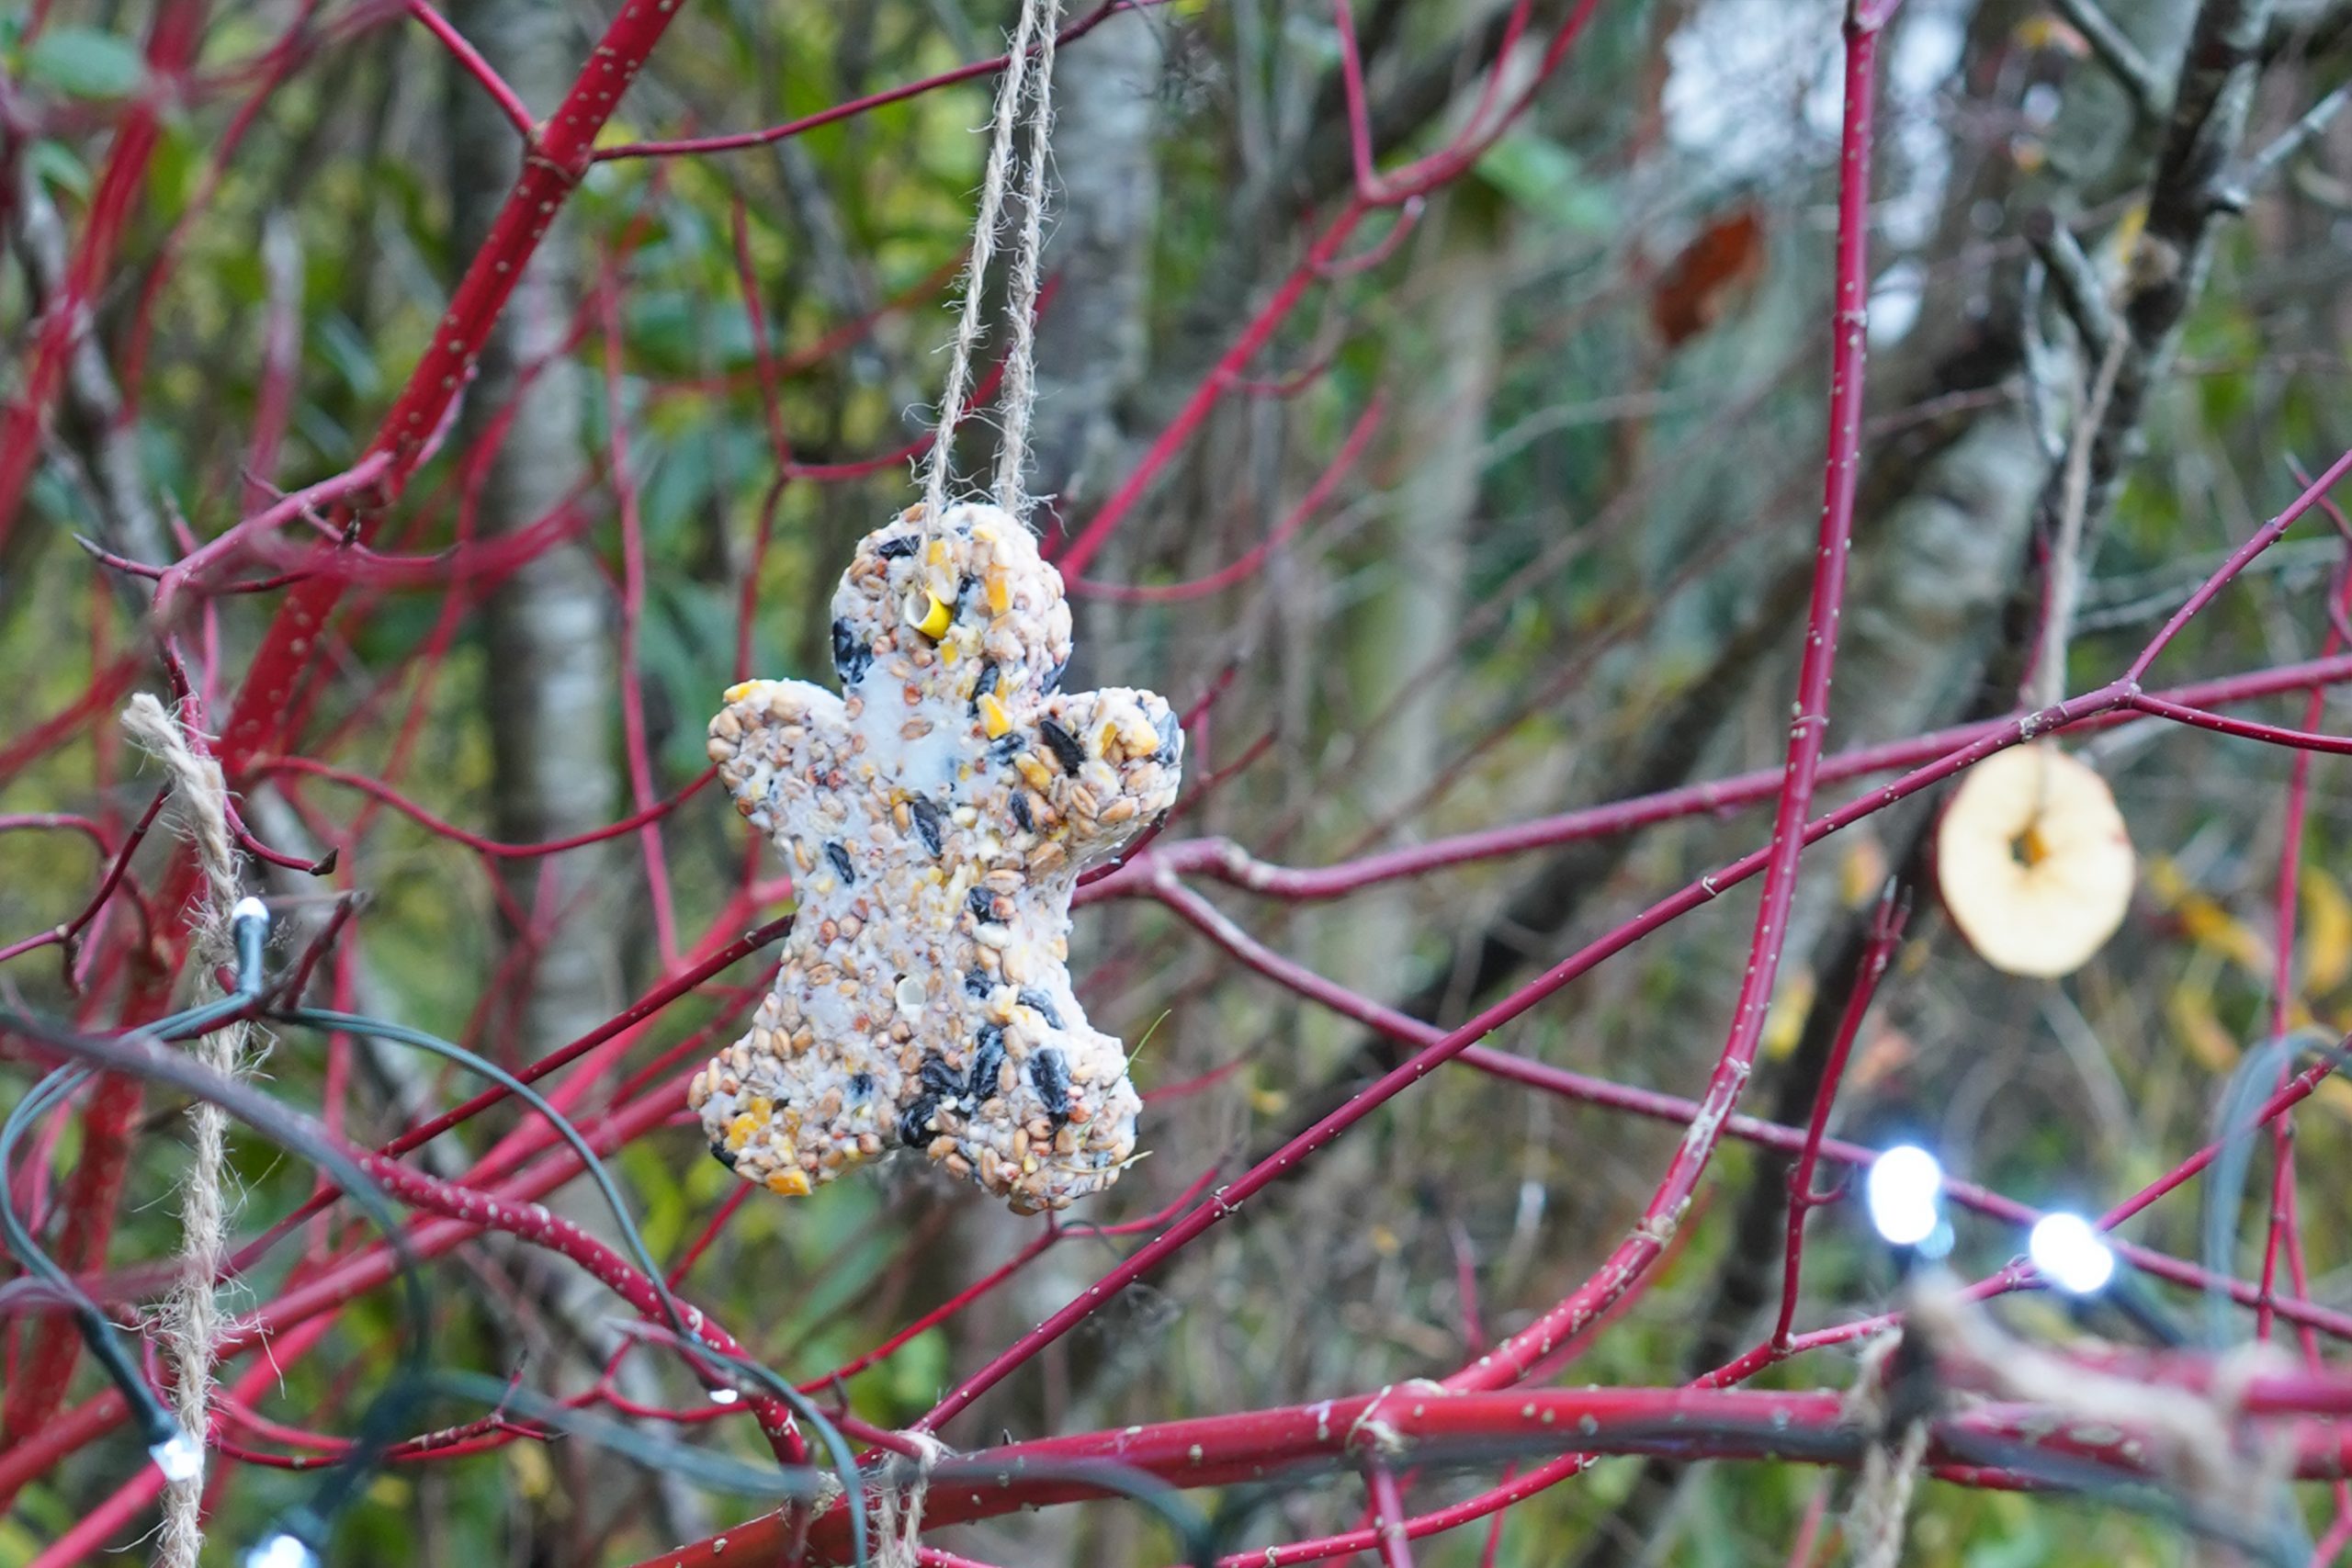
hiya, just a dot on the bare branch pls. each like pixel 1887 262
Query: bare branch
pixel 2234 194
pixel 2073 278
pixel 2121 57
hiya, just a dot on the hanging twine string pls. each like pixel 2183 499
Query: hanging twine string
pixel 1020 364
pixel 2190 1441
pixel 192 1321
pixel 902 1544
pixel 1034 31
pixel 1882 1505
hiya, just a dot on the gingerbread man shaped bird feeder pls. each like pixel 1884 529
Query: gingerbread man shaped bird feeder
pixel 936 815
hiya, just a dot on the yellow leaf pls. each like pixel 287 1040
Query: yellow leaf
pixel 1785 1023
pixel 1862 872
pixel 2189 1009
pixel 1268 1101
pixel 2119 250
pixel 2206 923
pixel 2048 32
pixel 533 1477
pixel 2328 932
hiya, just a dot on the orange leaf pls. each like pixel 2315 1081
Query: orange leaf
pixel 1713 271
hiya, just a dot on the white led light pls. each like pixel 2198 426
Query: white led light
pixel 179 1457
pixel 724 1396
pixel 1905 1191
pixel 250 908
pixel 283 1550
pixel 2070 1254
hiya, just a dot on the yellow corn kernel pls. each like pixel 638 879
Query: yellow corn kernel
pixel 739 1133
pixel 1033 771
pixel 1000 587
pixel 948 653
pixel 793 1183
pixel 761 1109
pixel 993 719
pixel 738 692
pixel 928 614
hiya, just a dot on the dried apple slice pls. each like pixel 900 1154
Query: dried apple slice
pixel 2034 861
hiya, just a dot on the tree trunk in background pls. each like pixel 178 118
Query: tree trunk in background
pixel 550 683
pixel 1093 339
pixel 1445 363
pixel 550 679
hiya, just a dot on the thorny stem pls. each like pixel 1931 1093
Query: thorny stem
pixel 1808 726
pixel 1886 935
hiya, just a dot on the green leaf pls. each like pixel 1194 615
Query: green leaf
pixel 1547 180
pixel 56 164
pixel 85 64
pixel 352 357
pixel 919 1371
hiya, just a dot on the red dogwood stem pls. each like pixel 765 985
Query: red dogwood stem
pixel 1841 472
pixel 171 48
pixel 1416 1422
pixel 267 705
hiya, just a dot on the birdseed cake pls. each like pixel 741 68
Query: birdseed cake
pixel 936 815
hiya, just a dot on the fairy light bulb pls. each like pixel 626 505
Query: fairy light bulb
pixel 283 1549
pixel 178 1457
pixel 1905 1194
pixel 2070 1254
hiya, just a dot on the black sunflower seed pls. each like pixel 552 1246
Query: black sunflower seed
pixel 941 1079
pixel 1033 998
pixel 987 1064
pixel 852 658
pixel 977 984
pixel 860 1085
pixel 723 1154
pixel 1020 811
pixel 983 906
pixel 1063 744
pixel 914 1122
pixel 840 857
pixel 891 550
pixel 926 817
pixel 1051 1075
pixel 1170 737
pixel 984 685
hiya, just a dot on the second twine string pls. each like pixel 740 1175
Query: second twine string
pixel 1026 84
